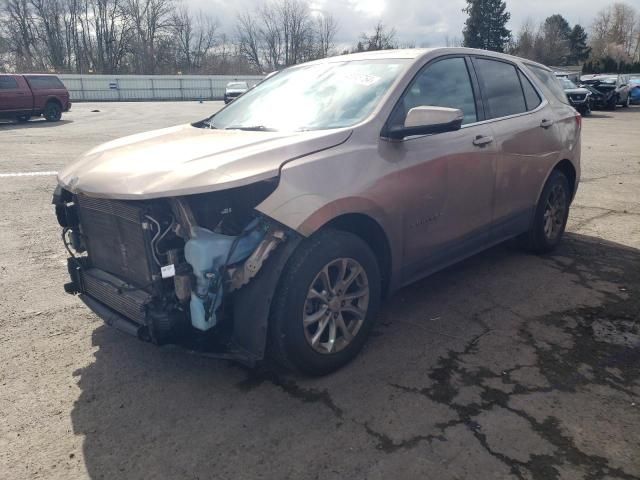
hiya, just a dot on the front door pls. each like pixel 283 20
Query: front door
pixel 446 180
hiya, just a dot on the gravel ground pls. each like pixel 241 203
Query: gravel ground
pixel 505 366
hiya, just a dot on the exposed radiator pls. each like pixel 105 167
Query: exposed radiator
pixel 112 292
pixel 115 238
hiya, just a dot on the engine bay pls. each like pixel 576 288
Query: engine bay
pixel 170 270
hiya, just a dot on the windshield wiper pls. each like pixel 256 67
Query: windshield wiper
pixel 255 128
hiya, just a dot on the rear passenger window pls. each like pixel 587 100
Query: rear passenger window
pixel 501 88
pixel 42 83
pixel 445 83
pixel 8 83
pixel 530 94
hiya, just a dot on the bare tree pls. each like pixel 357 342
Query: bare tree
pixel 249 40
pixel 327 27
pixel 271 36
pixel 615 32
pixel 151 22
pixel 195 36
pixel 380 39
pixel 156 36
pixel 283 33
pixel 18 29
pixel 297 30
pixel 113 34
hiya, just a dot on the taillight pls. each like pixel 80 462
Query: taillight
pixel 579 120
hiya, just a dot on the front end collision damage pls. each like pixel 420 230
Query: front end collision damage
pixel 215 263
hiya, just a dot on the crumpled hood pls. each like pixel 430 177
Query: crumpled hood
pixel 186 160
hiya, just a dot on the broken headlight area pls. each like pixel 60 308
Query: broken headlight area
pixel 174 270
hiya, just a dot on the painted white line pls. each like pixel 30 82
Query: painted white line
pixel 28 174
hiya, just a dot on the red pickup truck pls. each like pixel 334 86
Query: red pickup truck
pixel 26 96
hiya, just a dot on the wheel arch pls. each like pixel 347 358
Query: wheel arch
pixel 569 170
pixel 53 100
pixel 371 232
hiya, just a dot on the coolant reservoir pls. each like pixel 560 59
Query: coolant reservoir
pixel 206 252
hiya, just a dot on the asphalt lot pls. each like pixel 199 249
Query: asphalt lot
pixel 505 366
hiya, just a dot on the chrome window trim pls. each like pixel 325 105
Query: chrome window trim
pixel 542 105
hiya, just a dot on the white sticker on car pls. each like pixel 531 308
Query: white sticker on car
pixel 168 271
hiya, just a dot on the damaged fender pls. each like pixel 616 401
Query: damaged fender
pixel 252 303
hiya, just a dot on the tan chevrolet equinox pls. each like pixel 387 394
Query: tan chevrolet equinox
pixel 275 227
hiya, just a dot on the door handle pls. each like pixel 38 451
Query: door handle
pixel 481 141
pixel 546 123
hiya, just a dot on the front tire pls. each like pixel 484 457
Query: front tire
pixel 52 112
pixel 326 303
pixel 551 215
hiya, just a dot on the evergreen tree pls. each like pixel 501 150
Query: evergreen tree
pixel 579 51
pixel 486 26
pixel 555 41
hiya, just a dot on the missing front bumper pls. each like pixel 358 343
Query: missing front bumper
pixel 251 306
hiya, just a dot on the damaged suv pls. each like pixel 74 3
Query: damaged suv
pixel 276 226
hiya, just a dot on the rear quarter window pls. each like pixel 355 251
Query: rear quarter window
pixel 550 81
pixel 530 94
pixel 43 83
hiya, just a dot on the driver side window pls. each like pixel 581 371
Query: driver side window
pixel 445 83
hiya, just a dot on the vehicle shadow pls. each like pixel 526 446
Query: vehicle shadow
pixel 597 114
pixel 36 123
pixel 145 412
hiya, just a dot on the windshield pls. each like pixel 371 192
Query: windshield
pixel 312 97
pixel 237 85
pixel 567 84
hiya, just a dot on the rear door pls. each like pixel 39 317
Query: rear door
pixel 526 137
pixel 447 179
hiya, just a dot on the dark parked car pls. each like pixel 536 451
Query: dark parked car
pixel 613 90
pixel 26 96
pixel 234 90
pixel 580 98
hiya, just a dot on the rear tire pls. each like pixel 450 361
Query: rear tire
pixel 52 112
pixel 550 219
pixel 24 118
pixel 326 303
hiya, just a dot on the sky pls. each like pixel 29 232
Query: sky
pixel 423 22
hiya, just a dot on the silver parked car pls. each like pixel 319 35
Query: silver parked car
pixel 233 90
pixel 276 226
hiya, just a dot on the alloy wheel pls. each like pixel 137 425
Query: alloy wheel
pixel 336 306
pixel 555 212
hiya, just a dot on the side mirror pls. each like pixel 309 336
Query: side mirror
pixel 427 121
